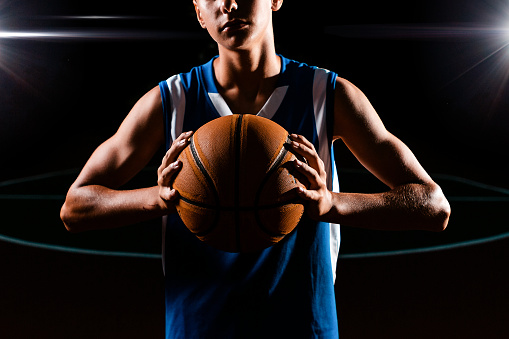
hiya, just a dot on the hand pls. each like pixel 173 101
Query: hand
pixel 170 167
pixel 317 196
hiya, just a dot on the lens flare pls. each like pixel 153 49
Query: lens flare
pixel 92 32
pixel 120 28
pixel 98 34
pixel 476 45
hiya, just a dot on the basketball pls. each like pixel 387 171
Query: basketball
pixel 236 191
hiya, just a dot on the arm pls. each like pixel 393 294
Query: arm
pixel 414 200
pixel 94 200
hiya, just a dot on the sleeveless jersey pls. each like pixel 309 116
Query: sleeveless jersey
pixel 285 291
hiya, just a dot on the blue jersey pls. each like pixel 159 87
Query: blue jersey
pixel 285 291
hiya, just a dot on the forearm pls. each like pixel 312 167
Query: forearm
pixel 96 207
pixel 407 207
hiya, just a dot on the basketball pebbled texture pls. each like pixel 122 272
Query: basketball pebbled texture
pixel 236 192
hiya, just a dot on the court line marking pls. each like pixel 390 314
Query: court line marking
pixel 445 177
pixel 342 256
pixel 344 170
pixel 76 250
pixel 429 249
pixel 472 183
pixel 32 197
pixel 366 255
pixel 38 177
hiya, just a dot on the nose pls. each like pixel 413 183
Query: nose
pixel 227 6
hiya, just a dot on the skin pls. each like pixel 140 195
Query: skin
pixel 246 72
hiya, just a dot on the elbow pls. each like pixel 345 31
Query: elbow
pixel 440 210
pixel 66 217
pixel 70 218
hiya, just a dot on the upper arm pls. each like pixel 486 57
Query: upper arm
pixel 361 129
pixel 123 155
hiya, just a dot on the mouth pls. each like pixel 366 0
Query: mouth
pixel 233 25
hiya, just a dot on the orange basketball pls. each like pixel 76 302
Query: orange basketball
pixel 236 192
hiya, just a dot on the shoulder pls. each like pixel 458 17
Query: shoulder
pixel 152 98
pixel 320 80
pixel 195 75
pixel 349 99
pixel 290 67
pixel 149 103
pixel 346 91
pixel 353 112
pixel 144 121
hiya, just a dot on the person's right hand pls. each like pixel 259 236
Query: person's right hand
pixel 170 167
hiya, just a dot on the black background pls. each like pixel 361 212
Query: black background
pixel 62 97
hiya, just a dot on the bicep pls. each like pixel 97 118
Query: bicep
pixel 123 155
pixel 361 129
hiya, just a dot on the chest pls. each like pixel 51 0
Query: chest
pixel 241 102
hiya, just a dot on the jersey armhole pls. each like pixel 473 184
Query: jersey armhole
pixel 166 99
pixel 329 105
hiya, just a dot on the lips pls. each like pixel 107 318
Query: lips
pixel 233 25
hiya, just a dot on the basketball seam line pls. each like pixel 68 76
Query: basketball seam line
pixel 203 170
pixel 237 141
pixel 243 209
pixel 272 169
pixel 240 208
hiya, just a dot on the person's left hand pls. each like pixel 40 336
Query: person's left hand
pixel 318 198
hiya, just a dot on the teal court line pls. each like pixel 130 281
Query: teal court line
pixel 343 256
pixel 75 250
pixel 78 250
pixel 461 244
pixel 32 197
pixel 37 177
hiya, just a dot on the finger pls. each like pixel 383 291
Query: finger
pixel 301 139
pixel 304 148
pixel 176 148
pixel 312 176
pixel 165 176
pixel 168 194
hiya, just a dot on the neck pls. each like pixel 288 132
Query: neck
pixel 246 78
pixel 243 68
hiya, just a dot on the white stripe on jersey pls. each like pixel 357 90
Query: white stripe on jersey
pixel 271 106
pixel 267 111
pixel 178 106
pixel 219 104
pixel 319 99
pixel 319 103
